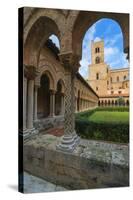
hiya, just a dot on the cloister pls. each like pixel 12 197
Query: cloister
pixel 52 86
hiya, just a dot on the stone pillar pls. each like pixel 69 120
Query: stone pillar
pixel 35 101
pixel 52 103
pixel 76 104
pixel 62 104
pixel 24 103
pixel 70 139
pixel 30 104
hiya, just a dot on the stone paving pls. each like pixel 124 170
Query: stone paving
pixel 59 131
pixel 33 184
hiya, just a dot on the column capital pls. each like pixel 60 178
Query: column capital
pixel 37 86
pixel 70 61
pixel 30 71
pixel 126 50
pixel 52 92
pixel 62 94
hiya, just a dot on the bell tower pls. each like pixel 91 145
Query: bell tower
pixel 98 69
pixel 97 52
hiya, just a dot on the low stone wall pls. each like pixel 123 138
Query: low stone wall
pixel 91 165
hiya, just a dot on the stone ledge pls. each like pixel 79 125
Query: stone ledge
pixel 92 164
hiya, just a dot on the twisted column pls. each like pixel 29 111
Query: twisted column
pixel 70 139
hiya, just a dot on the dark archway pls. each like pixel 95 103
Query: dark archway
pixel 108 102
pixel 43 101
pixel 112 102
pixel 58 97
pixel 99 103
pixel 116 102
pixel 78 101
pixel 127 102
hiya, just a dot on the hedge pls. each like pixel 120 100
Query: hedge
pixel 119 108
pixel 103 131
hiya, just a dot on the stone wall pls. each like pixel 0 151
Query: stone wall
pixel 91 165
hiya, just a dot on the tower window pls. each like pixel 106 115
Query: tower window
pixel 111 80
pixel 117 78
pixel 97 76
pixel 119 92
pixel 112 92
pixel 107 82
pixel 96 88
pixel 124 77
pixel 97 50
pixel 97 60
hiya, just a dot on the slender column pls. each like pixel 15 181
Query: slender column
pixel 52 103
pixel 76 104
pixel 62 104
pixel 35 101
pixel 24 102
pixel 30 104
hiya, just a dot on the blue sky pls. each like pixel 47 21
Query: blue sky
pixel 110 31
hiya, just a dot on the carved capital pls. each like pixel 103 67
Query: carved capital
pixel 126 50
pixel 30 72
pixel 52 92
pixel 70 61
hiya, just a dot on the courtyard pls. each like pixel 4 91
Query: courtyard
pixel 74 133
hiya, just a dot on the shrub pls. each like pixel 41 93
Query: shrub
pixel 119 108
pixel 103 131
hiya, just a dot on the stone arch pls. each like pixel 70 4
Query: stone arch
pixel 58 98
pixel 116 102
pixel 41 25
pixel 112 102
pixel 60 76
pixel 97 60
pixel 99 103
pixel 61 81
pixel 127 102
pixel 109 102
pixel 43 98
pixel 85 19
pixel 51 73
pixel 52 14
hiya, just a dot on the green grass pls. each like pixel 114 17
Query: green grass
pixel 107 116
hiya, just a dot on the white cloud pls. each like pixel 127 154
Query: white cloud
pixel 83 70
pixel 86 51
pixel 97 39
pixel 112 41
pixel 55 40
pixel 109 51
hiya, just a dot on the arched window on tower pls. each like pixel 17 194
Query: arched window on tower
pixel 97 60
pixel 111 79
pixel 124 78
pixel 117 78
pixel 97 76
pixel 97 50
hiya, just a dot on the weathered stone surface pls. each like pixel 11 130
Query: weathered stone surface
pixel 92 165
pixel 34 184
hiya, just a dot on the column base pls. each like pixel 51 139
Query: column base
pixel 27 133
pixel 68 143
